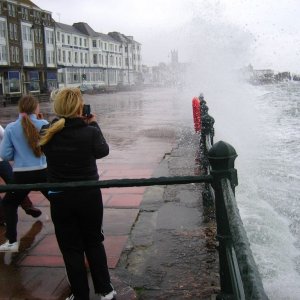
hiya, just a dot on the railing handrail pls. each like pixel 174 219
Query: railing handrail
pixel 239 276
pixel 107 183
pixel 249 274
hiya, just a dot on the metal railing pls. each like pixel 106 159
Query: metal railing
pixel 239 276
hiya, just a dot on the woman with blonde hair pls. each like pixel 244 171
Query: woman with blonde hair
pixel 72 143
pixel 20 144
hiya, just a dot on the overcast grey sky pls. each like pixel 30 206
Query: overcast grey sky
pixel 262 32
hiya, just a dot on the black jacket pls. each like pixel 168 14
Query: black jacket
pixel 72 152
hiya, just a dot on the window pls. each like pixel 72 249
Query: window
pixel 69 40
pixel 101 73
pixel 2 29
pixel 59 54
pixel 28 55
pixel 95 59
pixel 64 56
pixel 42 56
pixel 3 53
pixel 81 58
pixel 11 10
pixel 16 32
pixel 11 31
pixel 80 41
pixel 17 54
pixel 69 56
pixel 76 57
pixel 94 44
pixel 38 35
pixel 85 58
pixel 111 60
pixel 12 54
pixel 58 36
pixel 50 57
pixel 26 33
pixel 14 81
pixel 39 56
pixel 85 43
pixel 49 37
pixel 63 38
pixel 75 40
pixel 24 12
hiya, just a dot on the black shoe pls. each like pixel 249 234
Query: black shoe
pixel 32 211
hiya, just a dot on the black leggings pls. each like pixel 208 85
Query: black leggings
pixel 77 218
pixel 12 200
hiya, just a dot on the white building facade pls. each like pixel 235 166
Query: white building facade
pixel 95 61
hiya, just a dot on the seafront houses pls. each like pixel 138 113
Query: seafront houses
pixel 96 61
pixel 38 54
pixel 72 54
pixel 27 49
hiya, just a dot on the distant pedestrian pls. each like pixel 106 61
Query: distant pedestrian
pixel 20 145
pixel 72 143
pixel 6 173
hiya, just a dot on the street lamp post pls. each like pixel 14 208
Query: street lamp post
pixel 128 65
pixel 107 69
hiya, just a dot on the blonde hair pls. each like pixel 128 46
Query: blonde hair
pixel 67 103
pixel 27 106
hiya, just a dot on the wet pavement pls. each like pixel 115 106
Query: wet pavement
pixel 160 239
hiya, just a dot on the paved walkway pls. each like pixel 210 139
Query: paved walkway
pixel 37 271
pixel 141 129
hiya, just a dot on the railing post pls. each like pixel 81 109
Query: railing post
pixel 221 157
pixel 207 124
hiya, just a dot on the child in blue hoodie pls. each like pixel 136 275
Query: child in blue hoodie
pixel 6 174
pixel 20 145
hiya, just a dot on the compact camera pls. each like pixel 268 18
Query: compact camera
pixel 86 111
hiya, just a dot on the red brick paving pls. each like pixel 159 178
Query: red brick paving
pixel 40 273
pixel 39 252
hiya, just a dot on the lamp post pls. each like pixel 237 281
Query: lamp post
pixel 107 69
pixel 128 65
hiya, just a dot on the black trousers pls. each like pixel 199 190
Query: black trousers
pixel 6 173
pixel 77 218
pixel 12 200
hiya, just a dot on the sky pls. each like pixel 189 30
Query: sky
pixel 264 33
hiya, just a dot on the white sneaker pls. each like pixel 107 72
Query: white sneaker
pixel 7 247
pixel 71 297
pixel 109 296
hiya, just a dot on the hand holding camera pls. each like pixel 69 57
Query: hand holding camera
pixel 87 115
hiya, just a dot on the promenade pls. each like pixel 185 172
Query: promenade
pixel 159 240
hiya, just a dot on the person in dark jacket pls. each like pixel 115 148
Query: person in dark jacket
pixel 72 143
